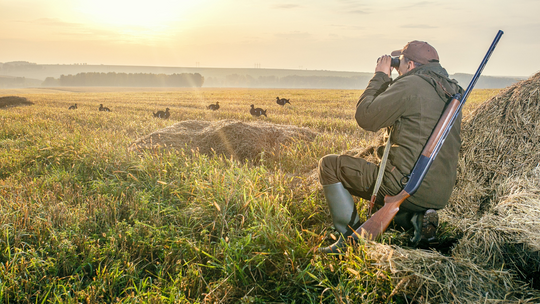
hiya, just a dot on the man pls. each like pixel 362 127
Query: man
pixel 410 106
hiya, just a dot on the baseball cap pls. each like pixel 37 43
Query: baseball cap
pixel 418 51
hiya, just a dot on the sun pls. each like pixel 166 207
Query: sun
pixel 153 13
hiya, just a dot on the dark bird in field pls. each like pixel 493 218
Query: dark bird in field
pixel 213 107
pixel 102 108
pixel 161 114
pixel 73 107
pixel 257 111
pixel 282 101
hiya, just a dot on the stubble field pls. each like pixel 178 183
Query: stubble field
pixel 85 219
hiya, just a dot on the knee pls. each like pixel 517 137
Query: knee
pixel 328 163
pixel 328 169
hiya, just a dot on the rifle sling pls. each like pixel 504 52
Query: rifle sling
pixel 380 174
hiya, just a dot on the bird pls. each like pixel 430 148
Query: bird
pixel 257 111
pixel 73 107
pixel 161 114
pixel 102 108
pixel 213 107
pixel 282 101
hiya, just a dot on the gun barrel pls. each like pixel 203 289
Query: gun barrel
pixel 482 66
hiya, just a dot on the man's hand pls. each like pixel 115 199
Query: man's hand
pixel 384 65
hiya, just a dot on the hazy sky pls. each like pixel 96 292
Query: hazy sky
pixel 339 35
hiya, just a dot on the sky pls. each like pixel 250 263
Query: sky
pixel 335 35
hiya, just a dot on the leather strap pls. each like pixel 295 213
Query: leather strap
pixel 380 174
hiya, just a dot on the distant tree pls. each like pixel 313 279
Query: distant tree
pixel 50 82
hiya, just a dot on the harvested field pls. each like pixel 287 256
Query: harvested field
pixel 85 219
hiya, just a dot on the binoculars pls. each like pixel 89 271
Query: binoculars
pixel 395 62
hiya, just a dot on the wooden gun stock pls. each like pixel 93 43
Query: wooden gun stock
pixel 380 220
pixel 377 224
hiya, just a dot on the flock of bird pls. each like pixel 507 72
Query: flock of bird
pixel 214 107
pixel 253 111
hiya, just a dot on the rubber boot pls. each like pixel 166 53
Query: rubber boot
pixel 344 215
pixel 402 220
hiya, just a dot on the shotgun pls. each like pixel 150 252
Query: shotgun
pixel 379 221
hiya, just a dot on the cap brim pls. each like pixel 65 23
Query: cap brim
pixel 396 53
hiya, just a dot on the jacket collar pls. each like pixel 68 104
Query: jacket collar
pixel 433 68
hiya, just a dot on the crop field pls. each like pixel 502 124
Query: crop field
pixel 85 219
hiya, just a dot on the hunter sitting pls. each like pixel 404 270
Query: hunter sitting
pixel 410 107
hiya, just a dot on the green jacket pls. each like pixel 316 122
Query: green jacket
pixel 412 105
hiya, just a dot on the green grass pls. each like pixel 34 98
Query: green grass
pixel 83 220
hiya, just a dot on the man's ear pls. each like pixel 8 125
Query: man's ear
pixel 410 65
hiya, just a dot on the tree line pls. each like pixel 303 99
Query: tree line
pixel 292 81
pixel 127 80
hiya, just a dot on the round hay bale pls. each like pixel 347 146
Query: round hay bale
pixel 13 101
pixel 232 138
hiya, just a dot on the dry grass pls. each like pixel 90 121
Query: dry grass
pixel 429 277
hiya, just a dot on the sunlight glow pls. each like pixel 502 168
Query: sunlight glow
pixel 149 14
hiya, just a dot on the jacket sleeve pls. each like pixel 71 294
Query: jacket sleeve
pixel 381 104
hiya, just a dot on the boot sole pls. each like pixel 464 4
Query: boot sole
pixel 429 225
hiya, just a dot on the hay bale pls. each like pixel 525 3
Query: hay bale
pixel 500 140
pixel 232 138
pixel 13 101
pixel 508 236
pixel 429 277
pixel 496 202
